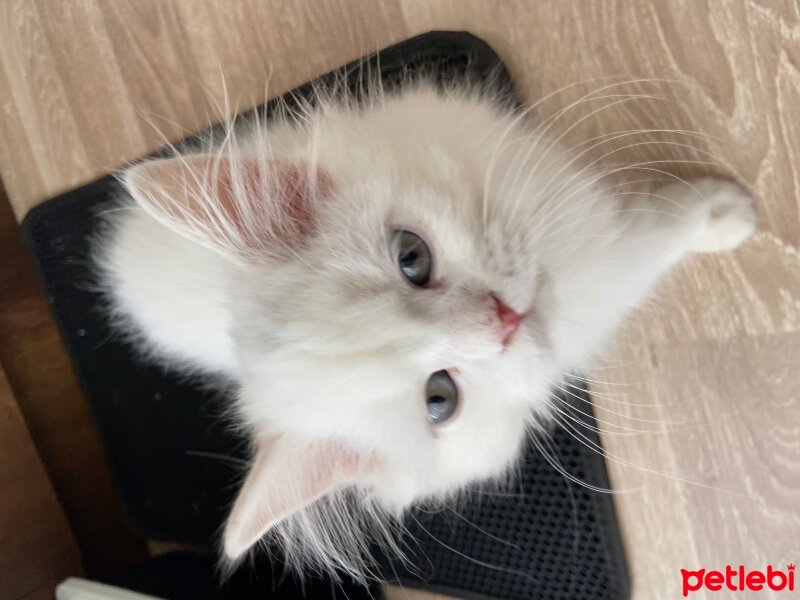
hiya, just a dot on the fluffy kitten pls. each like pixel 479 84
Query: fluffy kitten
pixel 393 285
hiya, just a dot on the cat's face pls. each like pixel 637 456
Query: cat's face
pixel 390 305
pixel 403 330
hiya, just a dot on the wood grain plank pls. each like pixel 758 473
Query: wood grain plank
pixel 142 71
pixel 393 592
pixel 38 547
pixel 48 394
pixel 714 476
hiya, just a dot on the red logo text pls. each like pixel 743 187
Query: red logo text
pixel 738 580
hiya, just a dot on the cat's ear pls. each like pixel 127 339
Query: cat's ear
pixel 243 208
pixel 287 475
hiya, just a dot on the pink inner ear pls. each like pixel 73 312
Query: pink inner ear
pixel 297 194
pixel 324 467
pixel 245 208
pixel 289 188
pixel 286 476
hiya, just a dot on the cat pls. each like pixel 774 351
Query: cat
pixel 394 284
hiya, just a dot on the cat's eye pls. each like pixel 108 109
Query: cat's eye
pixel 414 258
pixel 441 397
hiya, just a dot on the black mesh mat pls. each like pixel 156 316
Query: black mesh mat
pixel 544 536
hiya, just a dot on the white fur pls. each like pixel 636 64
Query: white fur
pixel 331 342
pixel 156 275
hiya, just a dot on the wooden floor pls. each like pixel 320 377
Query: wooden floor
pixel 38 548
pixel 701 397
pixel 50 400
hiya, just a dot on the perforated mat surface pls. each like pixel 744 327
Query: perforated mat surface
pixel 544 536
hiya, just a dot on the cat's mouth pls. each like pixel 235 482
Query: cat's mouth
pixel 509 340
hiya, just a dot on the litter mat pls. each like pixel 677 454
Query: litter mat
pixel 545 537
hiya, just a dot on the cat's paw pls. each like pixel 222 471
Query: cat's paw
pixel 731 217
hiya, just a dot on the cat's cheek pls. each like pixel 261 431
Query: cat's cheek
pixel 395 487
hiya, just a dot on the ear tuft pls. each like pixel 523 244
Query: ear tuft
pixel 243 208
pixel 287 475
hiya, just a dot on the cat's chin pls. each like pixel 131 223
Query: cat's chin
pixel 397 489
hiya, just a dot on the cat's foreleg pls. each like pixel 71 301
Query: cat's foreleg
pixel 707 214
pixel 654 231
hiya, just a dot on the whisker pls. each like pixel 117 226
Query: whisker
pixel 616 459
pixel 471 559
pixel 239 462
pixel 483 531
pixel 569 476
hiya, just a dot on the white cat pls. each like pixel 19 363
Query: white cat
pixel 394 287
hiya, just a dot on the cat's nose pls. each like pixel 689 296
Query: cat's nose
pixel 509 320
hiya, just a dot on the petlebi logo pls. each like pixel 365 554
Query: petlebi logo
pixel 739 579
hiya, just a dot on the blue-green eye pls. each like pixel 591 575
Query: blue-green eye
pixel 414 258
pixel 441 397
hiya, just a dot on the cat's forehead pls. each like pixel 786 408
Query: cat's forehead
pixel 469 247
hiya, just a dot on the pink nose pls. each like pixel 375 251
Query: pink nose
pixel 509 320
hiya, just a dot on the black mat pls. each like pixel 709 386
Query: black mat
pixel 546 537
pixel 191 576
